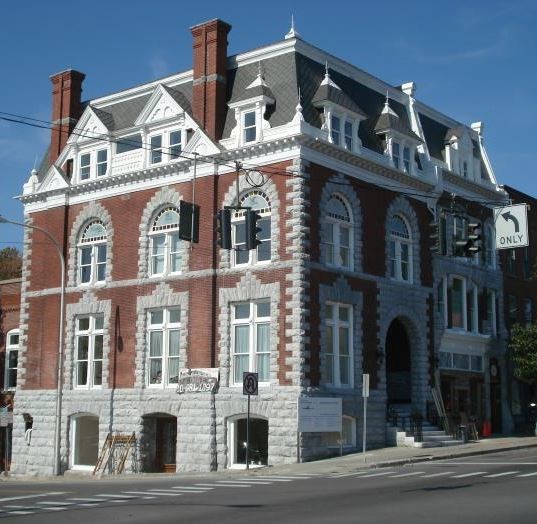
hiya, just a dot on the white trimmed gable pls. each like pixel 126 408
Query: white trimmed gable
pixel 201 144
pixel 53 180
pixel 160 106
pixel 89 127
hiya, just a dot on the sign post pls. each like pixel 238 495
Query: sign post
pixel 511 224
pixel 250 382
pixel 365 395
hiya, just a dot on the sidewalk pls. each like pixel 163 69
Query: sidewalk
pixel 394 456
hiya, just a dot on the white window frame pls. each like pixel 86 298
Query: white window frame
pixel 167 327
pixel 245 128
pixel 335 225
pixel 253 321
pixel 91 361
pixel 396 243
pixel 94 246
pixel 167 148
pixel 168 253
pixel 93 167
pixel 335 356
pixel 396 157
pixel 11 347
pixel 238 220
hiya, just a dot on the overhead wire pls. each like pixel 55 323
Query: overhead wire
pixel 266 172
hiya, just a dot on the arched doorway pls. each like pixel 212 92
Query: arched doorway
pixel 84 441
pixel 258 452
pixel 398 364
pixel 159 443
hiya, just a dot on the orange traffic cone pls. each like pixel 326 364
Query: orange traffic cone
pixel 487 429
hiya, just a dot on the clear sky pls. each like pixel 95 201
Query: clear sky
pixel 472 60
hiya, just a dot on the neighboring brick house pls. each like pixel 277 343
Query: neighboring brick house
pixel 10 299
pixel 520 301
pixel 346 172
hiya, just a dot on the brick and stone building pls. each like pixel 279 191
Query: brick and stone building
pixel 347 173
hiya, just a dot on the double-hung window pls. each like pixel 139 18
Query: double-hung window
pixel 336 130
pixel 400 249
pixel 260 203
pixel 89 351
pixel 165 146
pixel 348 135
pixel 406 159
pixel 175 144
pixel 156 149
pixel 92 254
pixel 93 164
pixel 251 340
pixel 396 154
pixel 338 345
pixel 249 127
pixel 338 233
pixel 12 359
pixel 165 253
pixel 164 333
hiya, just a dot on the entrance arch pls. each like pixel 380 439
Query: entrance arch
pixel 398 364
pixel 159 443
pixel 84 441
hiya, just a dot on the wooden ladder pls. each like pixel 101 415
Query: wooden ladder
pixel 114 442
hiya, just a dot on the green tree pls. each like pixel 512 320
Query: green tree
pixel 10 263
pixel 523 347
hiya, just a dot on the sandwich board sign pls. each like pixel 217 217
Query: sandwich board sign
pixel 511 224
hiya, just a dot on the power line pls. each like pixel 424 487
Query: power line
pixel 244 167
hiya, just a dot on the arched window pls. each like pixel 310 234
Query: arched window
pixel 92 254
pixel 400 249
pixel 339 233
pixel 260 203
pixel 165 244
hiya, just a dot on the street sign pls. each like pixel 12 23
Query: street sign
pixel 319 415
pixel 511 224
pixel 365 385
pixel 250 383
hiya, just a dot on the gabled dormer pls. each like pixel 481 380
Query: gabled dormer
pixel 462 153
pixel 399 141
pixel 340 115
pixel 250 106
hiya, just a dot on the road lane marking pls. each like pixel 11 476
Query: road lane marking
pixel 116 495
pixel 55 503
pixel 528 474
pixel 437 474
pixel 48 494
pixel 376 474
pixel 407 474
pixel 193 488
pixel 501 474
pixel 490 463
pixel 163 490
pixel 20 512
pixel 474 474
pixel 274 479
pixel 225 485
pixel 87 500
pixel 354 473
pixel 161 494
pixel 250 482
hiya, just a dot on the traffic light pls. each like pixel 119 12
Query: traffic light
pixel 189 221
pixel 224 228
pixel 252 230
pixel 473 245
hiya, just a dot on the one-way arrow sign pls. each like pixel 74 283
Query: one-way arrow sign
pixel 511 226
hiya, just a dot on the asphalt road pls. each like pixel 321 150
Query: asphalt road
pixel 498 488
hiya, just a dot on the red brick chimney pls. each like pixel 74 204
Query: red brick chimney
pixel 66 108
pixel 210 72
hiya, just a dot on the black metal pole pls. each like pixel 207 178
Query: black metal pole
pixel 248 436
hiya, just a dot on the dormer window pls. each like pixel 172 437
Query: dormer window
pixel 249 127
pixel 406 159
pixel 165 146
pixel 348 135
pixel 396 154
pixel 93 164
pixel 336 133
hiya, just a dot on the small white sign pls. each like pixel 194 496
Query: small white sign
pixel 365 385
pixel 319 415
pixel 511 225
pixel 6 418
